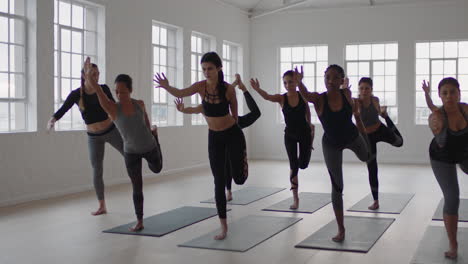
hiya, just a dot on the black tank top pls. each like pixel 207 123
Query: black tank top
pixel 338 126
pixel 295 117
pixel 212 109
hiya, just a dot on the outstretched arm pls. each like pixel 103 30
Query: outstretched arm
pixel 427 94
pixel 276 98
pixel 108 105
pixel 179 102
pixel 161 81
pixel 312 97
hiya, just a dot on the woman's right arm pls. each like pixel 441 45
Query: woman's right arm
pixel 179 102
pixel 108 105
pixel 72 98
pixel 310 97
pixel 161 81
pixel 276 98
pixel 427 94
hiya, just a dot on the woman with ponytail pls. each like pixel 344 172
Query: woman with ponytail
pixel 99 127
pixel 226 142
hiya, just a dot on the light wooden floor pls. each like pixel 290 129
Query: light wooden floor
pixel 61 230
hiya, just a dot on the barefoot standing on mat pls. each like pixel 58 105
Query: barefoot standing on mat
pixel 298 131
pixel 226 142
pixel 449 124
pixel 140 140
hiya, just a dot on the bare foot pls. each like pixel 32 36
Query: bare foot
pixel 100 211
pixel 229 195
pixel 339 237
pixel 374 206
pixel 295 205
pixel 224 228
pixel 221 236
pixel 452 253
pixel 138 227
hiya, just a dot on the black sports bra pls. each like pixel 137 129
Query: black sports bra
pixel 215 109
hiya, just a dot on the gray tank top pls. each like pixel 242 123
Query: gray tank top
pixel 441 138
pixel 136 135
pixel 369 115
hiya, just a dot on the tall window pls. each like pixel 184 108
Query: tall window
pixel 314 60
pixel 201 44
pixel 435 61
pixel 76 37
pixel 378 61
pixel 232 64
pixel 13 93
pixel 166 54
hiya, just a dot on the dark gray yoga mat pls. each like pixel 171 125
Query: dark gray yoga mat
pixel 435 242
pixel 167 222
pixel 361 234
pixel 249 195
pixel 390 203
pixel 308 203
pixel 462 211
pixel 244 233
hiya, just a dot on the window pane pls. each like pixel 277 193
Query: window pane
pixel 420 99
pixel 463 80
pixel 463 49
pixel 77 38
pixel 193 45
pixel 65 88
pixel 156 95
pixel 437 49
pixel 309 70
pixel 419 82
pixel 390 99
pixel 364 52
pixel 422 66
pixel 64 13
pixel 309 83
pixel 155 35
pixel 463 66
pixel 435 81
pixel 4 114
pixel 390 83
pixel 163 36
pixel 16 58
pixel 379 83
pixel 17 7
pixel 285 67
pixel 391 51
pixel 310 54
pixel 3 29
pixel 351 52
pixel 156 58
pixel 364 68
pixel 3 85
pixel 163 96
pixel 66 40
pixel 16 31
pixel 437 67
pixel 199 45
pixel 422 50
pixel 171 57
pixel 18 116
pixel 450 49
pixel 76 65
pixel 91 19
pixel 450 67
pixel 352 68
pixel 77 16
pixel 66 64
pixel 17 89
pixel 321 67
pixel 76 83
pixel 4 6
pixel 3 54
pixel 298 54
pixel 163 56
pixel 90 43
pixel 378 51
pixel 379 68
pixel 285 54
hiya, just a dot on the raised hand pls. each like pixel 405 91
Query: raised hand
pixel 179 102
pixel 160 80
pixel 255 84
pixel 239 82
pixel 426 87
pixel 51 124
pixel 88 68
pixel 345 84
pixel 236 81
pixel 298 75
pixel 383 111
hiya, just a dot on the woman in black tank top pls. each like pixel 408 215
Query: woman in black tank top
pixel 335 108
pixel 449 124
pixel 298 131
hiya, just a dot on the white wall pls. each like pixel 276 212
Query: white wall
pixel 405 24
pixel 37 165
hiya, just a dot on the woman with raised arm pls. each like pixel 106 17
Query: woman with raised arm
pixel 226 142
pixel 376 131
pixel 139 139
pixel 449 124
pixel 298 131
pixel 244 121
pixel 99 126
pixel 335 109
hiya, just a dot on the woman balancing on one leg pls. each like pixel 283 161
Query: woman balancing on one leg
pixel 99 126
pixel 226 142
pixel 335 109
pixel 299 130
pixel 376 131
pixel 140 141
pixel 244 121
pixel 449 124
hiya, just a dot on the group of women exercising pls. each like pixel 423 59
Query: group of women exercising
pixel 125 125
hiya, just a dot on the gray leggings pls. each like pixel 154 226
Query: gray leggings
pixel 334 160
pixel 446 175
pixel 96 147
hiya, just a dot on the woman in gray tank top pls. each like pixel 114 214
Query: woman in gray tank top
pixel 140 141
pixel 376 131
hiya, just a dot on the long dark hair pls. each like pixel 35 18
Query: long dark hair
pixel 214 58
pixel 81 103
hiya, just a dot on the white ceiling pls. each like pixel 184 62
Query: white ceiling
pixel 260 7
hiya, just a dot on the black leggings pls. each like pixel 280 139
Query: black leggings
pixel 133 163
pixel 227 152
pixel 304 140
pixel 245 121
pixel 388 134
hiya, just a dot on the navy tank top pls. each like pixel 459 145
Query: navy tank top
pixel 295 117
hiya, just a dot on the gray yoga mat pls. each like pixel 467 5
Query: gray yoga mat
pixel 361 234
pixel 308 203
pixel 244 233
pixel 390 203
pixel 462 211
pixel 435 242
pixel 249 195
pixel 167 222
